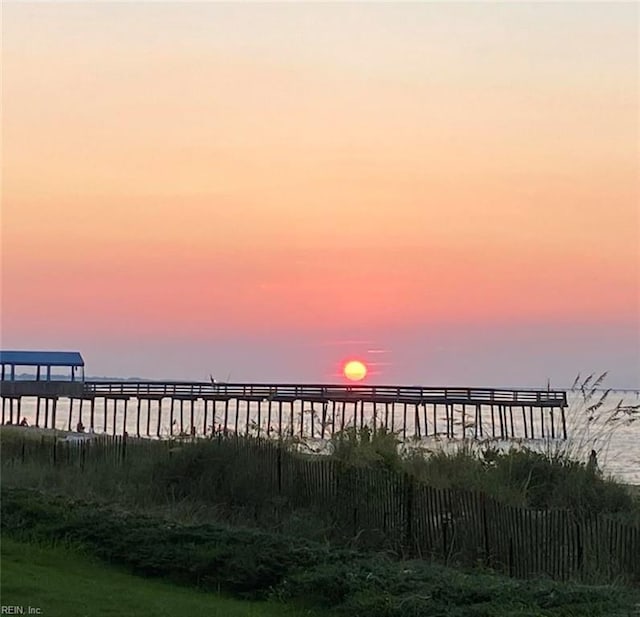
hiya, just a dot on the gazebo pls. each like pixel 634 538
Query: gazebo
pixel 46 360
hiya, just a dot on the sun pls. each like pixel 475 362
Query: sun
pixel 355 370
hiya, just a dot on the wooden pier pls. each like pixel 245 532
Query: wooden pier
pixel 315 411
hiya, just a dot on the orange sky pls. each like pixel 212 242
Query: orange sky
pixel 204 170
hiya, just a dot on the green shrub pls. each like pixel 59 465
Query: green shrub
pixel 363 446
pixel 256 564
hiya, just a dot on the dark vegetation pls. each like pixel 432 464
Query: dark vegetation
pixel 211 475
pixel 257 564
pixel 520 476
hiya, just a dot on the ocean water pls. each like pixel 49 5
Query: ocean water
pixel 617 444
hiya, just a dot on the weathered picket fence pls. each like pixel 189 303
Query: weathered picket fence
pixel 385 508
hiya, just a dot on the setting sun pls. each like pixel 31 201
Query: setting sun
pixel 355 370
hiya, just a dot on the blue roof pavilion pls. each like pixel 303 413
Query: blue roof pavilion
pixel 43 359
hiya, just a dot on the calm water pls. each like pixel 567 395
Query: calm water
pixel 619 455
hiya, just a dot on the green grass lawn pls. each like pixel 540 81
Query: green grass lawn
pixel 63 583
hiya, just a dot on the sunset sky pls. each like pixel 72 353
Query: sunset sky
pixel 449 192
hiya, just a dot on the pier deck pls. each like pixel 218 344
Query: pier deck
pixel 168 408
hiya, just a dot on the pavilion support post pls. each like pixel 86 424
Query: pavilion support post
pixel 531 427
pixel 19 405
pixel 159 421
pixel 38 402
pixel 80 412
pixel 342 417
pixel 92 412
pixel 269 405
pixel 416 422
pixel 181 416
pixel 247 421
pixel 54 406
pixel 70 414
pixel 524 423
pixel 226 415
pixel 237 418
pixel 173 401
pixel 4 407
pixel 553 425
pixel 564 423
pixel 192 427
pixel 46 413
pixel 542 427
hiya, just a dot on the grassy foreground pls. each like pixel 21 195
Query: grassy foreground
pixel 254 564
pixel 63 583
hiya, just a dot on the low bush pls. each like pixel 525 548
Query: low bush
pixel 256 564
pixel 527 478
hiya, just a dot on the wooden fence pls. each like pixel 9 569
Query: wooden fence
pixel 383 508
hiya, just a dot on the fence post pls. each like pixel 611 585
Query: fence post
pixel 485 530
pixel 511 556
pixel 409 490
pixel 279 469
pixel 124 446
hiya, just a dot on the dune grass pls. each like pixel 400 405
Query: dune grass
pixel 65 583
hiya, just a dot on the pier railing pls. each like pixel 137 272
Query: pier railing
pixel 313 410
pixel 329 392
